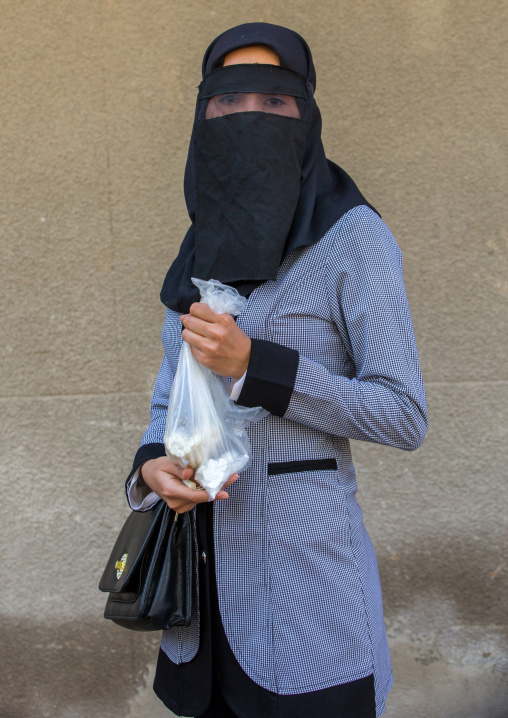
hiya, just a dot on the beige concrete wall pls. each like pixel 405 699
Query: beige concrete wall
pixel 96 104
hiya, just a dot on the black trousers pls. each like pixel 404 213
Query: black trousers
pixel 355 702
pixel 218 707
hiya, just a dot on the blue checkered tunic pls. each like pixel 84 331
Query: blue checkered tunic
pixel 297 577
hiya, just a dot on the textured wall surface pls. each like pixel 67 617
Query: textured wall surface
pixel 96 105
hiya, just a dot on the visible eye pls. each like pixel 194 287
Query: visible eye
pixel 230 99
pixel 281 105
pixel 275 102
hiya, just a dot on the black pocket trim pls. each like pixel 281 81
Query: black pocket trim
pixel 292 467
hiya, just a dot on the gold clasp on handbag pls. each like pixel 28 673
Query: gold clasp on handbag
pixel 120 566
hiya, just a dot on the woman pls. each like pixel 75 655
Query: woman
pixel 290 615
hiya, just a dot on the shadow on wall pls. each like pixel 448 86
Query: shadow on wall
pixel 457 571
pixel 441 690
pixel 72 669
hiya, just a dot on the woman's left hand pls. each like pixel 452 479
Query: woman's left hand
pixel 216 341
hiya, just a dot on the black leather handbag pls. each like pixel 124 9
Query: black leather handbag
pixel 149 573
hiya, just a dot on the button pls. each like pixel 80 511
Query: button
pixel 203 557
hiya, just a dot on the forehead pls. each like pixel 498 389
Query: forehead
pixel 250 55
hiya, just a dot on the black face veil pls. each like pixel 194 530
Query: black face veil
pixel 247 170
pixel 257 185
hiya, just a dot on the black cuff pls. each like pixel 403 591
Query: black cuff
pixel 145 453
pixel 270 377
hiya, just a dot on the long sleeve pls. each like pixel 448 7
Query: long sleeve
pixel 384 402
pixel 152 443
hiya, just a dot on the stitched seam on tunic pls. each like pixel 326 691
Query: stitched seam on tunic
pixel 333 239
pixel 365 608
pixel 270 685
pixel 270 592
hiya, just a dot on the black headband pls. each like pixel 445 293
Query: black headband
pixel 254 78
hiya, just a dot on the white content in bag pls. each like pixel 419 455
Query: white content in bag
pixel 204 428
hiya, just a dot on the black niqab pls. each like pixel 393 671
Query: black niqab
pixel 242 240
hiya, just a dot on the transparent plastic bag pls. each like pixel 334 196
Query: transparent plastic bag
pixel 204 428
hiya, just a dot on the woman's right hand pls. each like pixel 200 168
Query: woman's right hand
pixel 165 478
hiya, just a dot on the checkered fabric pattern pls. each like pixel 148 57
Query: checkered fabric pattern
pixel 297 577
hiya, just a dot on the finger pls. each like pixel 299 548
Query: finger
pixel 165 463
pixel 203 311
pixel 182 505
pixel 199 341
pixel 174 490
pixel 231 480
pixel 187 474
pixel 203 358
pixel 180 472
pixel 168 466
pixel 198 326
pixel 201 355
pixel 189 496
